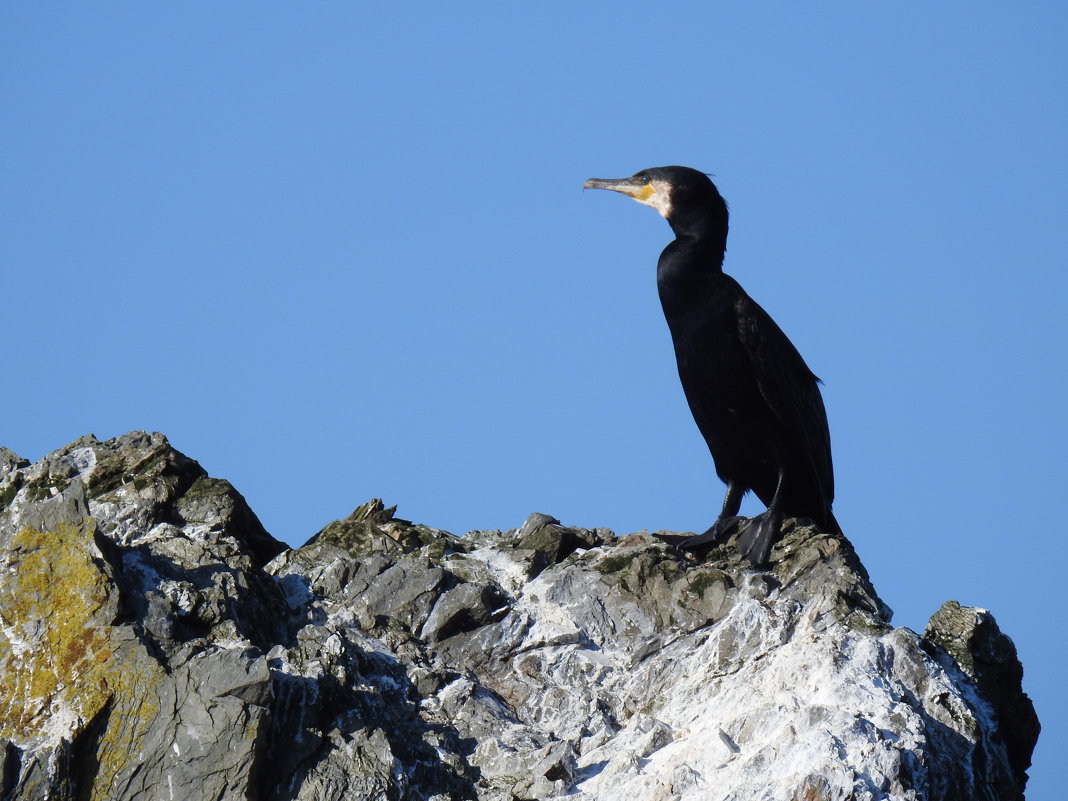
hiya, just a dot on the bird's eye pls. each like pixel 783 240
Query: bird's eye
pixel 646 180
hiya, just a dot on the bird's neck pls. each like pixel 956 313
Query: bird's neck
pixel 692 253
pixel 687 268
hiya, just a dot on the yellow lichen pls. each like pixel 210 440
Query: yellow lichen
pixel 55 629
pixel 60 664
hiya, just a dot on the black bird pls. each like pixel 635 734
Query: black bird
pixel 754 399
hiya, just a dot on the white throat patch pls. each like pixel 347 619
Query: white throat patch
pixel 656 194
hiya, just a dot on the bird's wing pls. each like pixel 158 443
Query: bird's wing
pixel 789 387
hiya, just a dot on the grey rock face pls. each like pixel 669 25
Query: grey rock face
pixel 156 642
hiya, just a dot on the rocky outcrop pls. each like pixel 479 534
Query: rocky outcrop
pixel 157 643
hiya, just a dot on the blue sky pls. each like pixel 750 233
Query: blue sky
pixel 340 251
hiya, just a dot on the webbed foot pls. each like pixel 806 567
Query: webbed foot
pixel 716 534
pixel 758 535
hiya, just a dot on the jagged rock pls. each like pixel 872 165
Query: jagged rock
pixel 973 640
pixel 156 642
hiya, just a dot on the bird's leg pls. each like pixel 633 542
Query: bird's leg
pixel 760 533
pixel 725 523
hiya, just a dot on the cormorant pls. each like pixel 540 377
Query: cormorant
pixel 753 398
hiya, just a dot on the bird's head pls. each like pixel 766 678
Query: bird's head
pixel 682 195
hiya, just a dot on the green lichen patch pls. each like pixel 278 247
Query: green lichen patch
pixel 617 563
pixel 637 571
pixel 9 490
pixel 373 528
pixel 45 486
pixel 145 461
pixel 700 581
pixel 109 473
